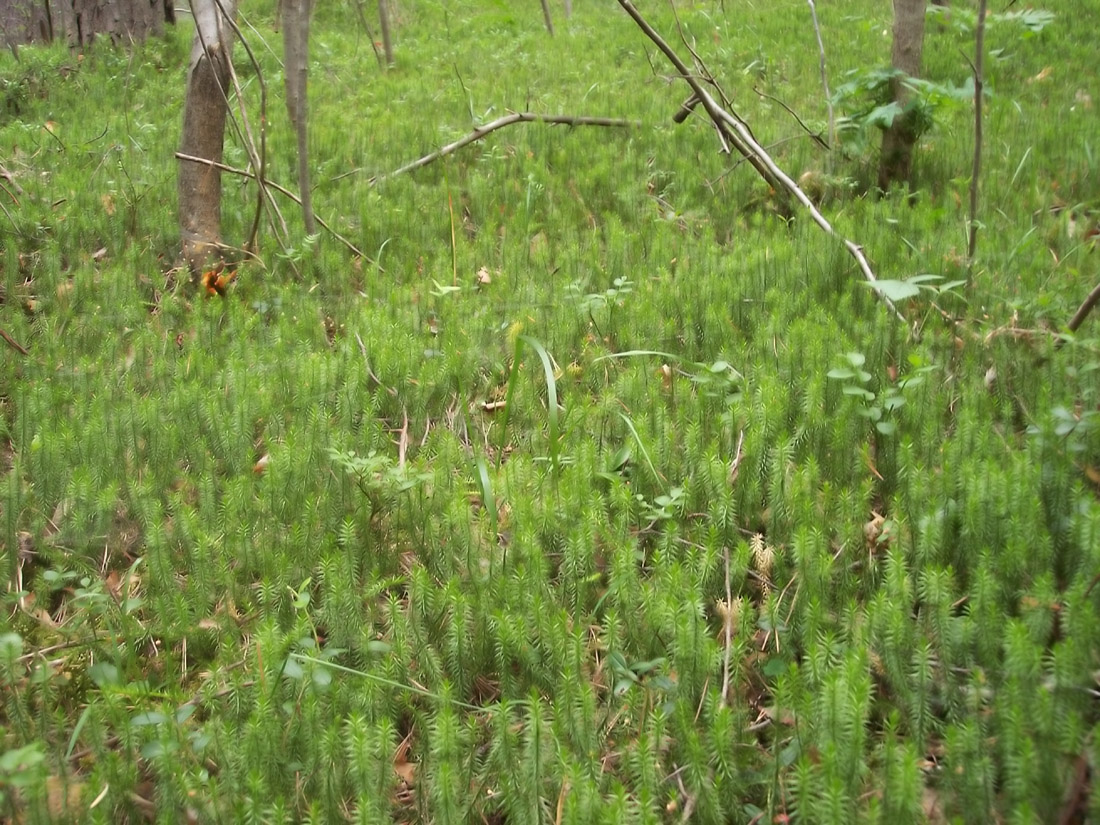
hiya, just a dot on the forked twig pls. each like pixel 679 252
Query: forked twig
pixel 758 157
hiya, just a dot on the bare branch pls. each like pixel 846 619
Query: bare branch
pixel 824 75
pixel 758 157
pixel 258 160
pixel 492 126
pixel 1083 311
pixel 13 343
pixel 244 173
pixel 814 136
pixel 713 109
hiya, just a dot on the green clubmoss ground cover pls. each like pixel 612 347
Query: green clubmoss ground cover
pixel 594 490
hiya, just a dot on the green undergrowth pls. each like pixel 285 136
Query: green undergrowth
pixel 595 491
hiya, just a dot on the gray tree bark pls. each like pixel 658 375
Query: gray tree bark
pixel 296 15
pixel 899 140
pixel 384 22
pixel 81 21
pixel 204 113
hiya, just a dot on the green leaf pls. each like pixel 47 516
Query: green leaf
pixel 884 116
pixel 485 488
pixel 895 290
pixel 775 666
pixel 11 646
pixel 104 674
pixel 321 678
pixel 293 670
pixel 149 717
pixel 852 389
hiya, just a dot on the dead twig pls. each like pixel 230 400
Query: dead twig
pixel 758 157
pixel 244 173
pixel 258 158
pixel 824 74
pixel 814 136
pixel 727 622
pixel 492 126
pixel 13 343
pixel 1083 311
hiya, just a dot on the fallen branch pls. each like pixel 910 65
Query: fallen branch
pixel 686 108
pixel 492 126
pixel 13 343
pixel 244 173
pixel 719 116
pixel 757 156
pixel 1083 311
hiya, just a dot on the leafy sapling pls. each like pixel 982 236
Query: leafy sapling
pixel 879 408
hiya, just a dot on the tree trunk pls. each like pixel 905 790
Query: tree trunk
pixel 546 17
pixel 898 141
pixel 204 113
pixel 384 22
pixel 80 21
pixel 296 15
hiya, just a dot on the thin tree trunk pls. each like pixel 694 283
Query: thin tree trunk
pixel 384 22
pixel 899 140
pixel 976 171
pixel 568 9
pixel 370 34
pixel 296 15
pixel 204 113
pixel 546 17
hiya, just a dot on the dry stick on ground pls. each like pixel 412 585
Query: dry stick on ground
pixel 244 173
pixel 979 47
pixel 4 189
pixel 727 623
pixel 759 158
pixel 492 126
pixel 1083 311
pixel 13 343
